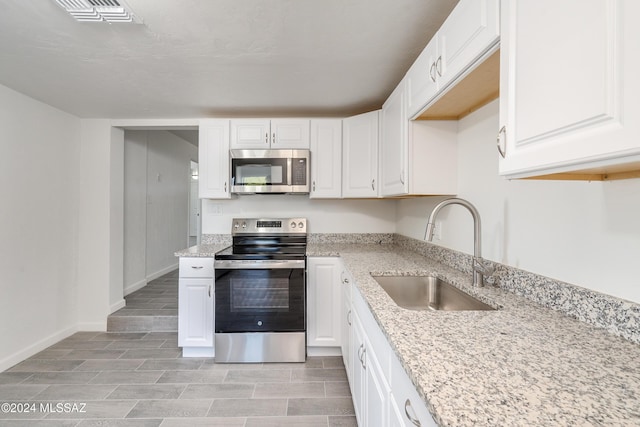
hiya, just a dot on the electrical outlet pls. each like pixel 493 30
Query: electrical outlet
pixel 215 209
pixel 437 231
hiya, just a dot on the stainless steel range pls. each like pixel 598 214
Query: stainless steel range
pixel 260 294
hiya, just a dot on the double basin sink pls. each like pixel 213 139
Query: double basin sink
pixel 428 293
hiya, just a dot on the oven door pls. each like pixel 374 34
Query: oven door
pixel 260 296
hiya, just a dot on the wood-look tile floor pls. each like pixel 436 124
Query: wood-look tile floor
pixel 140 379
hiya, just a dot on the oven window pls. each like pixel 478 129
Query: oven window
pixel 259 293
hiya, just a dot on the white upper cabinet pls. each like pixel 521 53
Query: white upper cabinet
pixel 416 157
pixel 569 88
pixel 213 159
pixel 471 30
pixel 360 155
pixel 267 134
pixel 393 145
pixel 326 158
pixel 421 81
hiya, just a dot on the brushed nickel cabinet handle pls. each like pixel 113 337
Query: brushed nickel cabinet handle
pixel 414 420
pixel 439 66
pixel 503 130
pixel 431 74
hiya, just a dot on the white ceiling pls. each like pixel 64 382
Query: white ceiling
pixel 199 58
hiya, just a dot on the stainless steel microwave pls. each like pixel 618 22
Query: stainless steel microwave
pixel 269 171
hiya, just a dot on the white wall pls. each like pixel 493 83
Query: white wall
pixel 100 224
pixel 584 233
pixel 325 216
pixel 39 156
pixel 135 210
pixel 157 185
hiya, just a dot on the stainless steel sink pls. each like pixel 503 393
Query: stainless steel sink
pixel 428 293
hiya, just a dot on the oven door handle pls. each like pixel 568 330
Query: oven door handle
pixel 257 264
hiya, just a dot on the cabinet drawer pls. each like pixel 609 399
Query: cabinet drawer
pixel 196 267
pixel 406 397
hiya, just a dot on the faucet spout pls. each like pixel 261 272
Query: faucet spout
pixel 479 266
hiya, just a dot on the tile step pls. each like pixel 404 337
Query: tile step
pixel 142 323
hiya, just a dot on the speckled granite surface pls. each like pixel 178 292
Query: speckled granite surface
pixel 205 250
pixel 616 315
pixel 522 365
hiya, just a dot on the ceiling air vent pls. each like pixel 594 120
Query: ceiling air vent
pixel 99 11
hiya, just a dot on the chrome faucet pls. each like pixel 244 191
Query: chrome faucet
pixel 480 266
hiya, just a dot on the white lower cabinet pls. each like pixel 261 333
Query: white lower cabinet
pixel 371 390
pixel 195 307
pixel 407 408
pixel 324 302
pixel 346 320
pixel 383 395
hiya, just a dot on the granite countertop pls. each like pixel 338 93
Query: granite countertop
pixel 205 250
pixel 521 365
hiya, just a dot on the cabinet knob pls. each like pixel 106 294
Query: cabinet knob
pixel 503 152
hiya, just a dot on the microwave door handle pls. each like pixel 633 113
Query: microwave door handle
pixel 289 177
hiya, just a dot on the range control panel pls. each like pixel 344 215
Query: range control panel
pixel 269 226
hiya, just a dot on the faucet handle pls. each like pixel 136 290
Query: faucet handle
pixel 483 267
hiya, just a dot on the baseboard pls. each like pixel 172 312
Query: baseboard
pixel 198 352
pixel 324 351
pixel 162 272
pixel 117 306
pixel 92 326
pixel 37 347
pixel 134 287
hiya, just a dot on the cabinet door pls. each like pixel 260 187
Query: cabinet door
pixel 471 29
pixel 290 133
pixel 195 312
pixel 250 133
pixel 376 389
pixel 568 72
pixel 360 155
pixel 326 158
pixel 347 321
pixel 213 159
pixel 324 302
pixel 408 403
pixel 394 145
pixel 358 391
pixel 422 84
